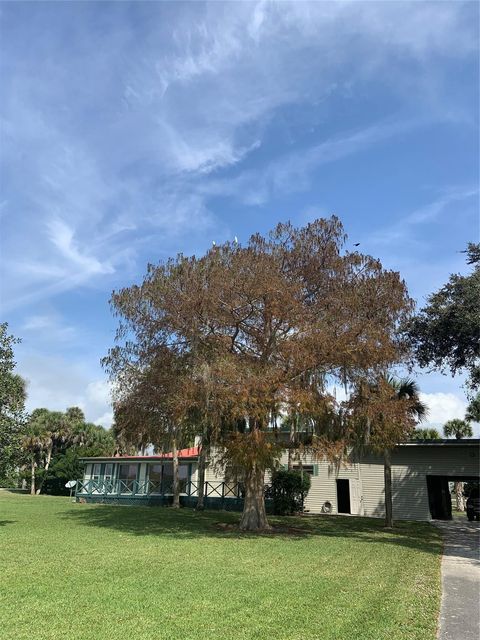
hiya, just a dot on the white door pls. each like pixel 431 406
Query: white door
pixel 355 498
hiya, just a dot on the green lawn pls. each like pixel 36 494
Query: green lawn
pixel 92 572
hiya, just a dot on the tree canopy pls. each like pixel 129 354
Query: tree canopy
pixel 12 406
pixel 244 332
pixel 473 409
pixel 426 434
pixel 54 440
pixel 445 334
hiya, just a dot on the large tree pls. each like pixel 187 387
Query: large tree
pixel 446 332
pixel 12 407
pixel 263 319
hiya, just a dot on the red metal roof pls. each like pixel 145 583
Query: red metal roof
pixel 190 452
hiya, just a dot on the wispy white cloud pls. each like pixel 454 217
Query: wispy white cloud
pixel 403 228
pixel 292 172
pixel 49 328
pixel 141 144
pixel 132 142
pixel 62 236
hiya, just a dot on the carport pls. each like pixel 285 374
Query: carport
pixel 439 496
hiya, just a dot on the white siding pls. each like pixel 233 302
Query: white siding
pixel 410 467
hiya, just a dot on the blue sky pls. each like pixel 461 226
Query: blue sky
pixel 132 131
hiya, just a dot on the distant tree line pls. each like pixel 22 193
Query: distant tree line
pixel 41 451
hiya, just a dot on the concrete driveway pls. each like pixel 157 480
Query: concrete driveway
pixel 460 610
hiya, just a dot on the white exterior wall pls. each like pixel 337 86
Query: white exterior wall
pixel 410 467
pixel 323 486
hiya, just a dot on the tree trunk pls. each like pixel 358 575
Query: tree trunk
pixel 387 472
pixel 293 425
pixel 47 465
pixel 32 477
pixel 254 516
pixel 459 496
pixel 176 485
pixel 202 461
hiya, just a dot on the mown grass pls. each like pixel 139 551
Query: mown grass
pixel 92 572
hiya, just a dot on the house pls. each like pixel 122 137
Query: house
pixel 421 472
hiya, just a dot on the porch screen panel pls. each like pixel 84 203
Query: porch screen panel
pixel 127 475
pixel 155 478
pixel 183 477
pixel 167 480
pixel 108 477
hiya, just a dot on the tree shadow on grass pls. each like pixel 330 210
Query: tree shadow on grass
pixel 3 523
pixel 188 523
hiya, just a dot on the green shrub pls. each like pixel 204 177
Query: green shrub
pixel 289 489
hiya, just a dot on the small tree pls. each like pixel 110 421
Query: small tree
pixel 289 489
pixel 388 410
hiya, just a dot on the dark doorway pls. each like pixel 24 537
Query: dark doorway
pixel 343 496
pixel 439 498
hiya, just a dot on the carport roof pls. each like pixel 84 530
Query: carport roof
pixel 448 442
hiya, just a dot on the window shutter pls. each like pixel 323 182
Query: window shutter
pixel 315 469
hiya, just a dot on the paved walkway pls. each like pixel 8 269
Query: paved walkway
pixel 460 610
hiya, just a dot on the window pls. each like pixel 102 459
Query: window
pixel 306 468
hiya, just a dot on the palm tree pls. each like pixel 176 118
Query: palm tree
pixel 34 443
pixel 458 428
pixel 426 434
pixel 46 431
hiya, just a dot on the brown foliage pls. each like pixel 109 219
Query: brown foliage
pixel 246 331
